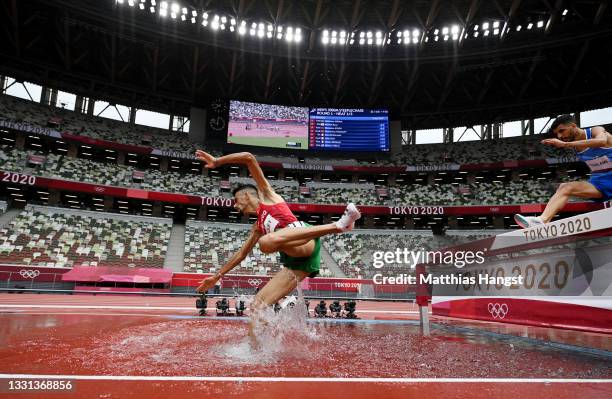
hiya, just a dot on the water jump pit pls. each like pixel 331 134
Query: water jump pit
pixel 112 353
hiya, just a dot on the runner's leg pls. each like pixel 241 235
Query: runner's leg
pixel 581 189
pixel 285 281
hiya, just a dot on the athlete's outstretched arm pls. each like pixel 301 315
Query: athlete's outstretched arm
pixel 235 260
pixel 242 158
pixel 600 138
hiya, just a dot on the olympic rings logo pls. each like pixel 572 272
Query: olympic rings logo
pixel 255 282
pixel 498 311
pixel 29 273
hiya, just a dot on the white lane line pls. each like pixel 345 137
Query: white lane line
pixel 310 379
pixel 21 306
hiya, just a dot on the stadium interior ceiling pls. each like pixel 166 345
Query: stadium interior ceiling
pixel 432 63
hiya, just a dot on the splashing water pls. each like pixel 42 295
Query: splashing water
pixel 116 345
pixel 283 334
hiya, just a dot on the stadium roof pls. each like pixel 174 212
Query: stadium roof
pixel 433 63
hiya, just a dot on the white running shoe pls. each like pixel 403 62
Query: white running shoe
pixel 348 218
pixel 527 221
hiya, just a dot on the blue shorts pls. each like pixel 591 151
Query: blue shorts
pixel 603 182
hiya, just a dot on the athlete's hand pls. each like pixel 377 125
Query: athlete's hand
pixel 207 284
pixel 209 160
pixel 555 143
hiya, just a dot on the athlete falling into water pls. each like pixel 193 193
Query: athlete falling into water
pixel 276 230
pixel 593 145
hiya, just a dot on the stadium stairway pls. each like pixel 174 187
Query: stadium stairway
pixel 328 261
pixel 175 256
pixel 5 218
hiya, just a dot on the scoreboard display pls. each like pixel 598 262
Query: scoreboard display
pixel 337 129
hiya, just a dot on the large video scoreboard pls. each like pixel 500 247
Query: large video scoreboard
pixel 314 129
pixel 335 129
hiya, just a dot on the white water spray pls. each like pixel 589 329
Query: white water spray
pixel 282 334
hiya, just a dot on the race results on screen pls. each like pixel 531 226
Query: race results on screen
pixel 336 129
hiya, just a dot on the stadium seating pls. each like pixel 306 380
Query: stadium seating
pixel 56 237
pixel 209 245
pixel 353 252
pixel 12 159
pixel 485 193
pixel 340 193
pixel 490 193
pixel 36 114
pixel 515 148
pixel 527 147
pixel 119 175
pixel 286 189
pixel 62 167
